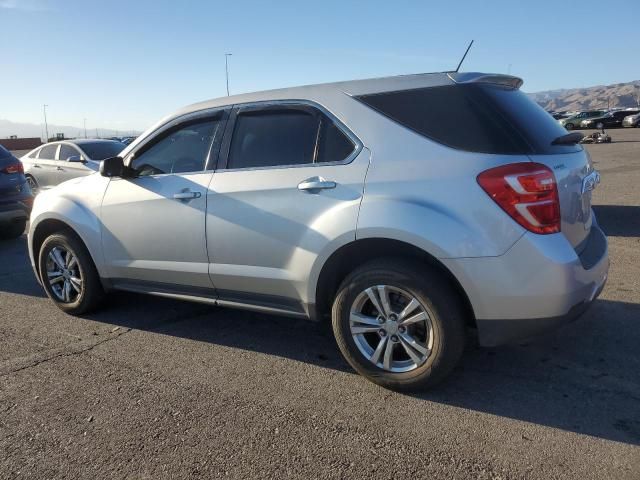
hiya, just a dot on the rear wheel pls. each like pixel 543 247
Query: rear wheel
pixel 13 229
pixel 399 327
pixel 68 274
pixel 569 126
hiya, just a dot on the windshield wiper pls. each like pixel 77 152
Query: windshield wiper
pixel 569 139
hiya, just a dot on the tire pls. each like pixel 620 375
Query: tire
pixel 32 184
pixel 444 328
pixel 91 292
pixel 13 229
pixel 569 126
pixel 599 125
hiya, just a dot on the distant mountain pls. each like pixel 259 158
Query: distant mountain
pixel 622 95
pixel 9 128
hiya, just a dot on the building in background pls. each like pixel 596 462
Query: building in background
pixel 20 145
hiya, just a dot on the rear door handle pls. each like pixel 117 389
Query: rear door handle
pixel 35 165
pixel 316 183
pixel 188 195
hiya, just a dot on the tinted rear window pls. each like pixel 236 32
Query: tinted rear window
pixel 475 118
pixel 270 138
pixel 102 150
pixel 4 153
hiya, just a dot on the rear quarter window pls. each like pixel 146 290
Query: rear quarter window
pixel 474 118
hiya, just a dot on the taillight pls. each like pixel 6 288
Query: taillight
pixel 527 192
pixel 13 168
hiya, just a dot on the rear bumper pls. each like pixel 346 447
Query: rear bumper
pixel 15 210
pixel 492 333
pixel 538 284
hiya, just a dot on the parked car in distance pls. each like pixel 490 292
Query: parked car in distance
pixel 631 120
pixel 608 120
pixel 360 203
pixel 573 121
pixel 16 198
pixel 57 162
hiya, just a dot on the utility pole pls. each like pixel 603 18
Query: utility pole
pixel 85 128
pixel 226 68
pixel 46 127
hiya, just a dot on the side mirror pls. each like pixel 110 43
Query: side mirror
pixel 76 158
pixel 112 167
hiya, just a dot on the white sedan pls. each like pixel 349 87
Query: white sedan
pixel 56 162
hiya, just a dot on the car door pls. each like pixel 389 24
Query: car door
pixel 289 184
pixel 71 163
pixel 45 166
pixel 153 224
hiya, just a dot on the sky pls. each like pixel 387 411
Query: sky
pixel 124 64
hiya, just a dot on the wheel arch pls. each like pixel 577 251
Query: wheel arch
pixel 350 256
pixel 46 228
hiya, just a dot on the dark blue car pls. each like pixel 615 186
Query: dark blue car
pixel 16 198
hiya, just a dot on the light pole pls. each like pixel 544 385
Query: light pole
pixel 85 128
pixel 226 68
pixel 46 127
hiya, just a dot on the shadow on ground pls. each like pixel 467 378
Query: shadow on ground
pixel 582 378
pixel 619 220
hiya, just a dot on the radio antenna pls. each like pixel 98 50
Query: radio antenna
pixel 464 56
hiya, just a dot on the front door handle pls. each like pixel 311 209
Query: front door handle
pixel 59 168
pixel 35 165
pixel 316 183
pixel 187 195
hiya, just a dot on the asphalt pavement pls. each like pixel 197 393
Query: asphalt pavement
pixel 155 388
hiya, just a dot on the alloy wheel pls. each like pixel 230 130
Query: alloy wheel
pixel 32 185
pixel 391 328
pixel 64 274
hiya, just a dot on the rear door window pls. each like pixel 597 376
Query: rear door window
pixel 283 136
pixel 474 118
pixel 273 137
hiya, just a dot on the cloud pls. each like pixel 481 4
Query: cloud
pixel 25 5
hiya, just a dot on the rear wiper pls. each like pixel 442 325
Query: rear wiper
pixel 568 139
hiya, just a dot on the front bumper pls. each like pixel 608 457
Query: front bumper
pixel 540 283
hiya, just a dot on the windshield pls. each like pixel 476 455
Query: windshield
pixel 102 150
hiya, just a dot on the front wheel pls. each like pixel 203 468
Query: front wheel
pixel 599 125
pixel 569 126
pixel 33 185
pixel 400 327
pixel 68 274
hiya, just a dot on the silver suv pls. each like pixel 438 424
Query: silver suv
pixel 404 210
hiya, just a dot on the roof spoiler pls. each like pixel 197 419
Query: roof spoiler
pixel 492 78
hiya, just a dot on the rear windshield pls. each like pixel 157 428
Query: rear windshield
pixel 102 150
pixel 474 118
pixel 4 153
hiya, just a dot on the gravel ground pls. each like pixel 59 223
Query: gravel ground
pixel 153 388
